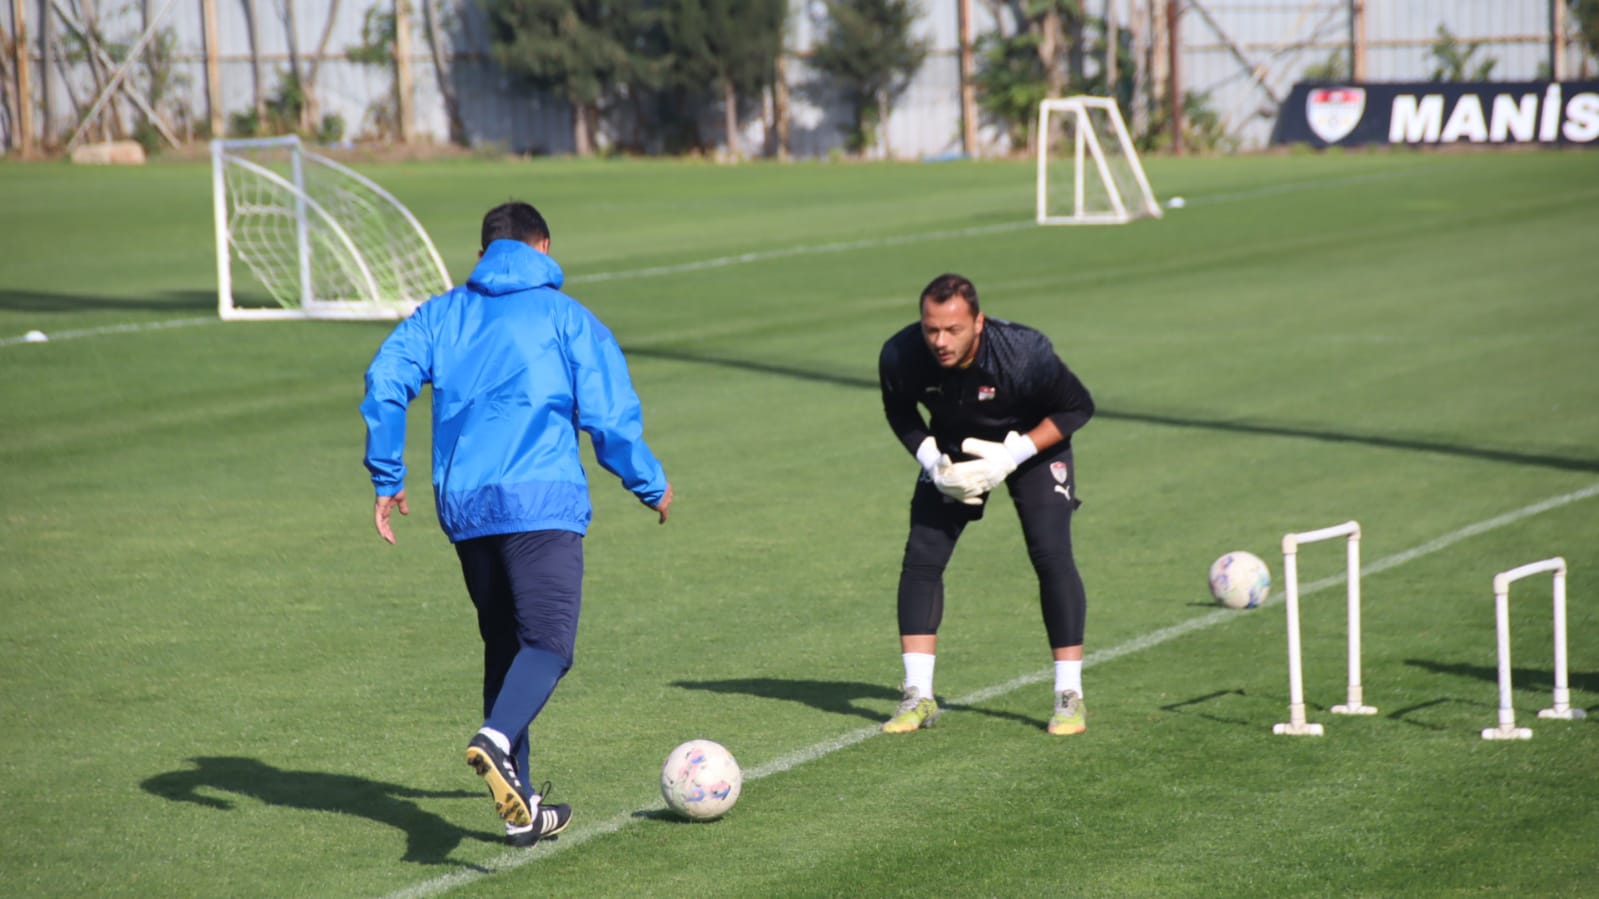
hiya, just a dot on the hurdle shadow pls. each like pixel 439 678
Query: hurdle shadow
pixel 1407 715
pixel 1198 706
pixel 1522 678
pixel 429 838
pixel 834 697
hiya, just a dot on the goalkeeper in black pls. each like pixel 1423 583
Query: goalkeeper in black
pixel 1002 409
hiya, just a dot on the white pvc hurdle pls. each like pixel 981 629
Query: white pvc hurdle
pixel 1507 729
pixel 1296 724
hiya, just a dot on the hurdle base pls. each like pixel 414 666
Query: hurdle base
pixel 1354 709
pixel 1300 729
pixel 1564 714
pixel 1507 732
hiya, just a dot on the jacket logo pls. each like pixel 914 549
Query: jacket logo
pixel 1057 470
pixel 934 389
pixel 984 394
pixel 1333 112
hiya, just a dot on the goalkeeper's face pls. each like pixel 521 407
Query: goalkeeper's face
pixel 951 331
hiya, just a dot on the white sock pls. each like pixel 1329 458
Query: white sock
pixel 919 672
pixel 1069 676
pixel 498 739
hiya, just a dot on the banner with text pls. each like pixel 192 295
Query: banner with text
pixel 1428 113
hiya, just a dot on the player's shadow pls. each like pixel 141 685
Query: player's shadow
pixel 429 839
pixel 169 301
pixel 836 697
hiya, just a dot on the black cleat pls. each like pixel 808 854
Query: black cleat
pixel 499 772
pixel 548 820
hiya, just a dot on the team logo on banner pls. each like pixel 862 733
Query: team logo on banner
pixel 1058 471
pixel 1333 112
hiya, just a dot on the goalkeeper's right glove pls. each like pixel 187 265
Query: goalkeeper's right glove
pixel 950 481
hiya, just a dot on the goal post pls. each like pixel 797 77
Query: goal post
pixel 319 239
pixel 1088 170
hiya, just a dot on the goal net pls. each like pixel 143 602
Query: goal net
pixel 1088 171
pixel 315 239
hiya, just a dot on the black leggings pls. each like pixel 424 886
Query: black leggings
pixel 1044 491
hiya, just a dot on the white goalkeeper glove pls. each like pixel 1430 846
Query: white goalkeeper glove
pixel 939 470
pixel 995 461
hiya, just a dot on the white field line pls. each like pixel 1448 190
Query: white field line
pixel 783 252
pixel 115 329
pixel 517 858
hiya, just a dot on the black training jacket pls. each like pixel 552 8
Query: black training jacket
pixel 1015 382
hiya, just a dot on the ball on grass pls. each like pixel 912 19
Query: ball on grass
pixel 701 780
pixel 1239 580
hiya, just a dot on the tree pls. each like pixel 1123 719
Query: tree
pixel 1454 58
pixel 1011 82
pixel 588 52
pixel 1018 70
pixel 1586 14
pixel 378 34
pixel 442 71
pixel 870 55
pixel 733 44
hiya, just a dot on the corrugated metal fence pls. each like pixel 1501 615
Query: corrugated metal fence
pixel 1238 57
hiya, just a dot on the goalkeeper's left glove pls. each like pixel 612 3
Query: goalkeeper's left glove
pixel 996 461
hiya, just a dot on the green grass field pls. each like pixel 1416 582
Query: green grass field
pixel 215 680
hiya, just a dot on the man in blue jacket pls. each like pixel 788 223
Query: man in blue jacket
pixel 517 368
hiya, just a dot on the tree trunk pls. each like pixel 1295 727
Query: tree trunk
pixel 291 27
pixel 441 73
pixel 313 105
pixel 404 99
pixel 780 119
pixel 7 107
pixel 882 124
pixel 47 50
pixel 582 140
pixel 730 119
pixel 253 22
pixel 1050 40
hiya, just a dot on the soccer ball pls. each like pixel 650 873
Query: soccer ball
pixel 1239 580
pixel 701 780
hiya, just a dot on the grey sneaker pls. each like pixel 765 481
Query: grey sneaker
pixel 1068 717
pixel 915 711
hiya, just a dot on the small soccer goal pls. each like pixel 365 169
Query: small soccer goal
pixel 317 239
pixel 1088 171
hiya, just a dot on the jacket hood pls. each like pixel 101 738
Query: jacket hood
pixel 509 266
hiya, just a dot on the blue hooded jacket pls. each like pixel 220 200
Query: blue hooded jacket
pixel 517 367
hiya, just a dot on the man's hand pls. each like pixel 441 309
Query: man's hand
pixel 664 505
pixel 956 482
pixel 938 469
pixel 381 510
pixel 995 461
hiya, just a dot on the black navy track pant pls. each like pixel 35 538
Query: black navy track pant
pixel 1044 491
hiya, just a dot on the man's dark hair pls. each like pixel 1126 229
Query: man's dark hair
pixel 945 287
pixel 514 220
